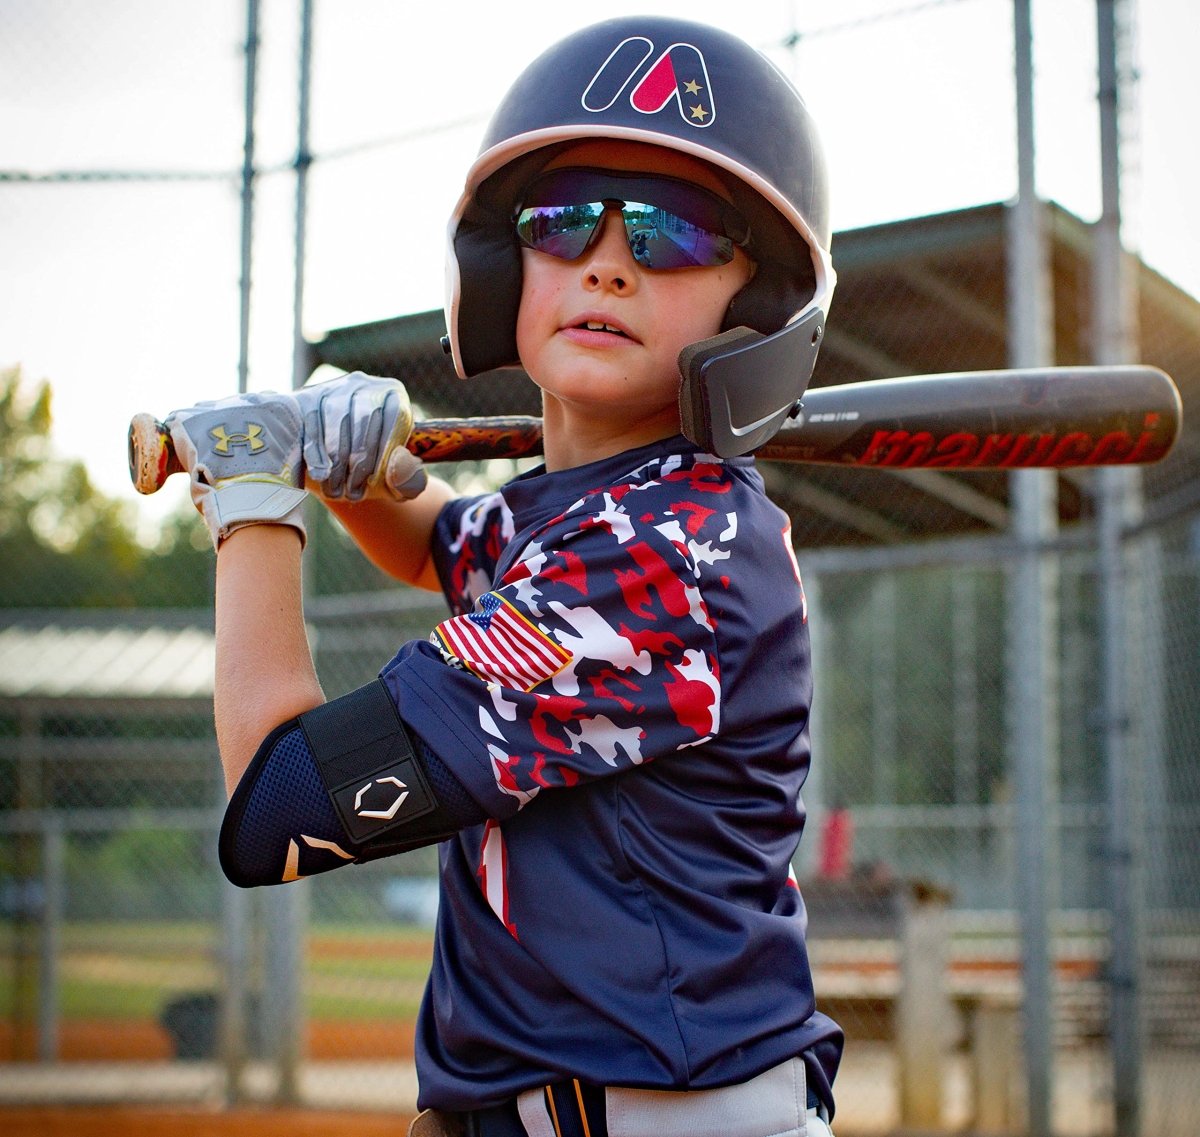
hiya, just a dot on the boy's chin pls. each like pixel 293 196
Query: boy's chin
pixel 605 408
pixel 614 396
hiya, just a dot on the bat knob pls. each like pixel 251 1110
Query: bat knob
pixel 151 455
pixel 404 475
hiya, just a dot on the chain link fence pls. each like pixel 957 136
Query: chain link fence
pixel 130 971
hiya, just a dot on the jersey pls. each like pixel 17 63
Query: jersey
pixel 623 688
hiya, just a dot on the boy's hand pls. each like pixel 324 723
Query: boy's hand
pixel 352 426
pixel 243 455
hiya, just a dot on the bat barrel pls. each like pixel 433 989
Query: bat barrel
pixel 985 420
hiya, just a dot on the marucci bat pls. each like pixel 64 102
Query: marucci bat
pixel 1051 417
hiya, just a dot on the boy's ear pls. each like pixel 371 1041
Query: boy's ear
pixel 740 387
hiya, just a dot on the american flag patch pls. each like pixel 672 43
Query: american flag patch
pixel 500 645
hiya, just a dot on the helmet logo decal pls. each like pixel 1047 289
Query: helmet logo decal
pixel 615 73
pixel 677 76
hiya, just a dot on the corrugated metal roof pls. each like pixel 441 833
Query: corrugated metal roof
pixel 121 662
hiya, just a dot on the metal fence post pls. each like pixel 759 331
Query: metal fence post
pixel 50 940
pixel 815 794
pixel 283 965
pixel 1114 318
pixel 234 970
pixel 1032 611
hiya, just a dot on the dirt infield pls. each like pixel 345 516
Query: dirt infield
pixel 129 1121
pixel 137 1040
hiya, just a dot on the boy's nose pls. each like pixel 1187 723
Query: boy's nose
pixel 608 263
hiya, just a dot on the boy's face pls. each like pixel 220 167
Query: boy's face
pixel 601 334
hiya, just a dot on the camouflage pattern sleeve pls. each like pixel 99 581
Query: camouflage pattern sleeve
pixel 592 653
pixel 469 537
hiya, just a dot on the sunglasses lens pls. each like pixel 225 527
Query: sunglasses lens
pixel 659 238
pixel 563 231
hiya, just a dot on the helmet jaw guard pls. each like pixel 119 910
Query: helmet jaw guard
pixel 745 120
pixel 719 411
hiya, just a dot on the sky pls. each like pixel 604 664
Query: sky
pixel 123 291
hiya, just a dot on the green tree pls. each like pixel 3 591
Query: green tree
pixel 63 543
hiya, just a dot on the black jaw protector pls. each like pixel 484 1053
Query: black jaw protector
pixel 740 387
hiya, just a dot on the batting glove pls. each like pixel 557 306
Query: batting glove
pixel 353 426
pixel 244 458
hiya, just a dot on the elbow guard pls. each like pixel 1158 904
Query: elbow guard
pixel 343 782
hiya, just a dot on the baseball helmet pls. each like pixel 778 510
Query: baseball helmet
pixel 705 93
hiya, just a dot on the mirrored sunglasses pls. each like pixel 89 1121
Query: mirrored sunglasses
pixel 669 223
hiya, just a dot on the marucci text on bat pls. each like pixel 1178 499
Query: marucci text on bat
pixel 901 448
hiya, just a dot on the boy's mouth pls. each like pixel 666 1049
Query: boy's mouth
pixel 592 324
pixel 599 326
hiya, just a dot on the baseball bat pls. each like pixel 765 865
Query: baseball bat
pixel 1052 417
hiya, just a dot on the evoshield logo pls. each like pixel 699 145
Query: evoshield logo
pixel 677 76
pixel 386 809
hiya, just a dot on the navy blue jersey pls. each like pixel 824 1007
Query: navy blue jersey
pixel 624 689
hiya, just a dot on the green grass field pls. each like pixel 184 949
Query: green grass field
pixel 131 970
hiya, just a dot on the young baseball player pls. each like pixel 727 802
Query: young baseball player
pixel 609 734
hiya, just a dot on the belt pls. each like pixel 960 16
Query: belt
pixel 575 1109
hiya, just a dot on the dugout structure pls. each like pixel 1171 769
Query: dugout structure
pixel 914 297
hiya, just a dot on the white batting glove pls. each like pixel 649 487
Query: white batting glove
pixel 243 455
pixel 353 426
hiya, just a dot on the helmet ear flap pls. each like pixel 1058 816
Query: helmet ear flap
pixel 740 386
pixel 489 287
pixel 772 296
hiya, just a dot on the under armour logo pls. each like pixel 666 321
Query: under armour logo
pixel 385 814
pixel 677 76
pixel 251 438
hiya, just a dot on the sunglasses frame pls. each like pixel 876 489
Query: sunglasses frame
pixel 605 190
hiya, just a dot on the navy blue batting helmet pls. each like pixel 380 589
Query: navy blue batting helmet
pixel 705 93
